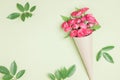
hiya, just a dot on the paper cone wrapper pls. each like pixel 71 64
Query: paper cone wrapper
pixel 84 46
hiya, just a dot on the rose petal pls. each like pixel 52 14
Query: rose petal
pixel 83 25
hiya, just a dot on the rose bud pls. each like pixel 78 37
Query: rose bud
pixel 80 33
pixel 64 25
pixel 91 19
pixel 73 33
pixel 67 29
pixel 74 14
pixel 88 31
pixel 83 10
pixel 71 22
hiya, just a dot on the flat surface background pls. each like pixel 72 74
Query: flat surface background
pixel 38 44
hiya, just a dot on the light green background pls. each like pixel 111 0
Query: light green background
pixel 38 44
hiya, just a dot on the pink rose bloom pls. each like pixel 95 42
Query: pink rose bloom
pixel 88 32
pixel 71 22
pixel 83 10
pixel 64 25
pixel 74 14
pixel 67 29
pixel 91 19
pixel 73 33
pixel 75 26
pixel 80 33
pixel 77 20
pixel 83 19
pixel 83 25
pixel 79 12
pixel 84 32
pixel 90 24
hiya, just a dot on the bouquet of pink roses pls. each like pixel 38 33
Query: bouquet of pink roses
pixel 80 26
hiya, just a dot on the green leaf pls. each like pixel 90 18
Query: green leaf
pixel 107 48
pixel 58 75
pixel 63 72
pixel 68 35
pixel 20 74
pixel 4 70
pixel 13 16
pixel 30 14
pixel 23 17
pixel 99 55
pixel 77 8
pixel 27 14
pixel 51 76
pixel 27 6
pixel 108 57
pixel 33 8
pixel 71 70
pixel 65 18
pixel 13 68
pixel 20 7
pixel 96 27
pixel 7 77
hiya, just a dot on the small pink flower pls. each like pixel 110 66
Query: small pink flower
pixel 80 33
pixel 71 22
pixel 83 19
pixel 88 31
pixel 73 33
pixel 75 26
pixel 84 32
pixel 77 20
pixel 67 29
pixel 74 14
pixel 89 15
pixel 64 25
pixel 83 10
pixel 91 19
pixel 79 12
pixel 83 25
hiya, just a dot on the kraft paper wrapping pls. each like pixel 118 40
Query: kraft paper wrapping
pixel 84 46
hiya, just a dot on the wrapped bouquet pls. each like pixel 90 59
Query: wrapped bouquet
pixel 80 26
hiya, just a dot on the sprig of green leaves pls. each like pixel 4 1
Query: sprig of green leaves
pixel 62 73
pixel 25 12
pixel 65 18
pixel 95 27
pixel 11 74
pixel 67 35
pixel 104 52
